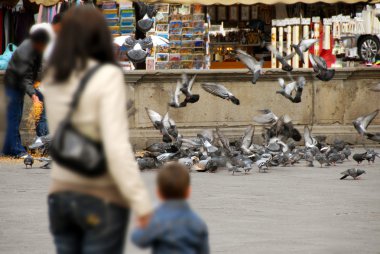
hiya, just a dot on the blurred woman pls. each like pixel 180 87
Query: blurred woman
pixel 89 215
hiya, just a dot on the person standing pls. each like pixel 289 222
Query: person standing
pixel 19 79
pixel 90 214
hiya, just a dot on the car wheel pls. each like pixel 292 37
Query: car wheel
pixel 368 47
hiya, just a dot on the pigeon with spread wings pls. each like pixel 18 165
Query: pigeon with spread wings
pixel 303 46
pixel 320 67
pixel 145 14
pixel 282 59
pixel 174 102
pixel 294 86
pixel 252 64
pixel 220 91
pixel 362 122
pixel 136 49
pixel 165 125
pixel 187 86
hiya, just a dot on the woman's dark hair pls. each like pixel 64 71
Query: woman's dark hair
pixel 84 35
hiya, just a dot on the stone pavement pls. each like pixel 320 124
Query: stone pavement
pixel 288 210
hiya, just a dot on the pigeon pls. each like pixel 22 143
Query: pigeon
pixel 320 67
pixel 186 88
pixel 359 157
pixel 247 140
pixel 371 156
pixel 220 91
pixel 266 117
pixel 373 136
pixel 47 161
pixel 28 161
pixel 224 141
pixel 165 157
pixel 347 152
pixel 309 157
pixel 353 172
pixel 282 59
pixel 205 165
pixel 333 158
pixel 145 14
pixel 263 162
pixel 252 64
pixel 362 122
pixel 282 127
pixel 206 144
pixel 310 141
pixel 321 158
pixel 188 162
pixel 146 163
pixel 136 49
pixel 165 125
pixel 303 46
pixel 174 102
pixel 294 86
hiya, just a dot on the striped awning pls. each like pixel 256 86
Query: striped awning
pixel 250 2
pixel 45 2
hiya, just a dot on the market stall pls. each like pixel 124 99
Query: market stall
pixel 202 40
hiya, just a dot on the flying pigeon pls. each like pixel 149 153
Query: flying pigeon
pixel 362 122
pixel 187 86
pixel 310 141
pixel 224 140
pixel 165 125
pixel 174 102
pixel 206 144
pixel 28 161
pixel 353 172
pixel 252 64
pixel 136 49
pixel 282 59
pixel 145 14
pixel 266 117
pixel 288 89
pixel 320 67
pixel 220 91
pixel 247 139
pixel 303 46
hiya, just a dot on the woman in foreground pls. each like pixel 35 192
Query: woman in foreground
pixel 90 214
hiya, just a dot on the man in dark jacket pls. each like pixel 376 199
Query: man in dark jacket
pixel 20 76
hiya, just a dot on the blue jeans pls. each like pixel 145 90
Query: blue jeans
pixel 13 145
pixel 41 124
pixel 83 224
pixel 15 105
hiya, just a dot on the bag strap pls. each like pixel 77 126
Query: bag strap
pixel 78 92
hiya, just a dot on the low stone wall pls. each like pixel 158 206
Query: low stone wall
pixel 329 107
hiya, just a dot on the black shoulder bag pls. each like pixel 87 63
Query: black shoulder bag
pixel 73 150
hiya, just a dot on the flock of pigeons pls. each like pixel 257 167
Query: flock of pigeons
pixel 211 149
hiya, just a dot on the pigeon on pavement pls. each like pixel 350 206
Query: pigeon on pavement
pixel 353 172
